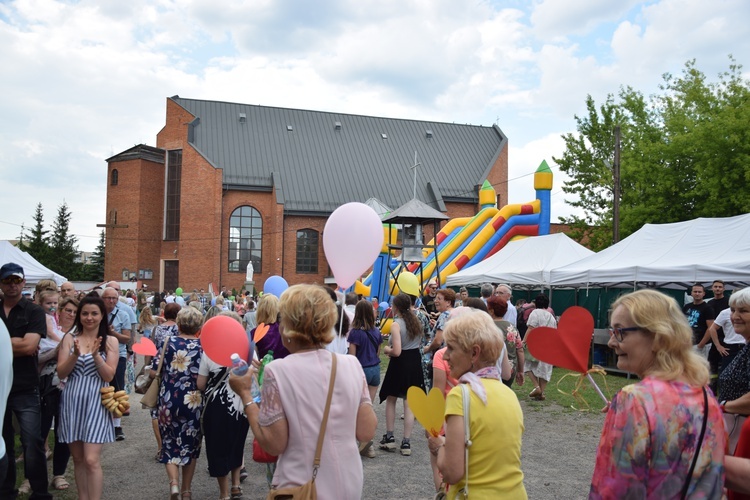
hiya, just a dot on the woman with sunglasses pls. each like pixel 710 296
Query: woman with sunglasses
pixel 664 436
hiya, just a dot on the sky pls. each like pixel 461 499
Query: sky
pixel 85 80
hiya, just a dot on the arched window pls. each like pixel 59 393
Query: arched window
pixel 115 178
pixel 245 239
pixel 307 251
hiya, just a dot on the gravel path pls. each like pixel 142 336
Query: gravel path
pixel 559 447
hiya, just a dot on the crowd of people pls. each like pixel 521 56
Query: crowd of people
pixel 65 356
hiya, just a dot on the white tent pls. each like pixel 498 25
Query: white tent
pixel 33 270
pixel 525 262
pixel 668 255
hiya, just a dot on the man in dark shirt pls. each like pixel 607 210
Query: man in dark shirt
pixel 699 314
pixel 26 324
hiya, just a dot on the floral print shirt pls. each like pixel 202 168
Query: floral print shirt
pixel 649 439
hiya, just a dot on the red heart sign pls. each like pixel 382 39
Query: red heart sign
pixel 145 347
pixel 568 345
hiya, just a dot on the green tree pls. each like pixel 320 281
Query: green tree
pixel 94 271
pixel 684 154
pixel 64 246
pixel 36 241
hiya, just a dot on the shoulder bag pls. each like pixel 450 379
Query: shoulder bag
pixel 151 398
pixel 307 491
pixel 463 493
pixel 689 477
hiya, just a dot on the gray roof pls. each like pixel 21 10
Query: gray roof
pixel 318 160
pixel 414 212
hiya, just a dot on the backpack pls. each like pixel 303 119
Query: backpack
pixel 522 318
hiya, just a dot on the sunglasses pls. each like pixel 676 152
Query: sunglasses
pixel 11 280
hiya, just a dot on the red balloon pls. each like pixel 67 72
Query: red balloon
pixel 221 337
pixel 568 345
pixel 145 347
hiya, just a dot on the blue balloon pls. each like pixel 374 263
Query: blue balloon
pixel 383 306
pixel 275 285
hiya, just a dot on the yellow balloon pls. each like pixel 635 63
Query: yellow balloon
pixel 429 409
pixel 385 327
pixel 408 283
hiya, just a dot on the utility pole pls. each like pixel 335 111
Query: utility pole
pixel 616 201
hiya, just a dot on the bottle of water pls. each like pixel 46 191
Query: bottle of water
pixel 266 359
pixel 239 365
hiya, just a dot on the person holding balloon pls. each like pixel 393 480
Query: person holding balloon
pixel 663 437
pixel 224 424
pixel 495 417
pixel 287 420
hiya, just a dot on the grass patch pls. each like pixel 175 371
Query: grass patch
pixel 69 494
pixel 564 382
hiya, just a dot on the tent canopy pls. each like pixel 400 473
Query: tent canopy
pixel 525 262
pixel 672 255
pixel 33 270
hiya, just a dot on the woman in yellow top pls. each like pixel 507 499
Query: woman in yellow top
pixel 495 416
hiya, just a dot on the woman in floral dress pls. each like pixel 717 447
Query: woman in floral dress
pixel 180 402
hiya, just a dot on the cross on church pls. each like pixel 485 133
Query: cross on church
pixel 414 168
pixel 112 225
pixel 113 222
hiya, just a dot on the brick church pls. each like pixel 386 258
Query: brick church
pixel 229 184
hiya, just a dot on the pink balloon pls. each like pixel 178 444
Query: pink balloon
pixel 221 337
pixel 352 239
pixel 145 347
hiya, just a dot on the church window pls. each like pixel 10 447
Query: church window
pixel 245 239
pixel 307 251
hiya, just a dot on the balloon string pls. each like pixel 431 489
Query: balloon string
pixel 341 320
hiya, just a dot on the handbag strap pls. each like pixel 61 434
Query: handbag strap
pixel 697 447
pixel 319 449
pixel 161 360
pixel 466 396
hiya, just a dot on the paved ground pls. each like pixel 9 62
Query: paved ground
pixel 559 447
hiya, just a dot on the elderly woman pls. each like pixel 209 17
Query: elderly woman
pixel 159 334
pixel 180 402
pixel 664 436
pixel 734 381
pixel 495 417
pixel 287 422
pixel 497 307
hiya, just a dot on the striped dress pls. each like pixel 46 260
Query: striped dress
pixel 82 415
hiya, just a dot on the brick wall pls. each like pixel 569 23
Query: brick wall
pixel 205 209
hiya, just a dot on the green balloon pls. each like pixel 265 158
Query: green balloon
pixel 178 291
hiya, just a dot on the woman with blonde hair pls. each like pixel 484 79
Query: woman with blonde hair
pixel 268 314
pixel 495 419
pixel 180 402
pixel 288 421
pixel 664 436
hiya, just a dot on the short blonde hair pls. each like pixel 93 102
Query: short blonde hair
pixel 740 298
pixel 268 310
pixel 189 321
pixel 660 315
pixel 472 327
pixel 43 285
pixel 307 314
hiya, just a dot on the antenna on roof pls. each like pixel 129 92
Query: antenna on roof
pixel 414 167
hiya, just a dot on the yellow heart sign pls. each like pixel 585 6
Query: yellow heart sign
pixel 429 409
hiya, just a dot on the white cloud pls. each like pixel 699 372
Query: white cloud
pixel 90 78
pixel 561 18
